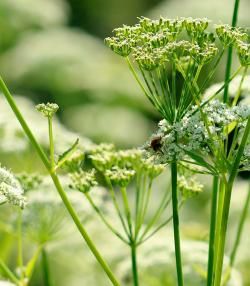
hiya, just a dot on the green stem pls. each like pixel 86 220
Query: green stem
pixel 176 223
pixel 51 140
pixel 235 101
pixel 6 271
pixel 134 264
pixel 240 229
pixel 104 220
pixel 127 211
pixel 20 243
pixel 57 183
pixel 226 204
pixel 212 232
pixel 230 52
pixel 46 270
pixel 23 123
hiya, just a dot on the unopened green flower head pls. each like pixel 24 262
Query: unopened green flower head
pixel 129 158
pixel 97 149
pixel 73 162
pixel 48 109
pixel 189 186
pixel 195 27
pixel 243 50
pixel 143 38
pixel 153 170
pixel 120 176
pixel 29 181
pixel 83 181
pixel 229 35
pixel 104 160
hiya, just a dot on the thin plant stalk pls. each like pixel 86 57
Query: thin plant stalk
pixel 46 268
pixel 134 264
pixel 226 205
pixel 238 238
pixel 57 183
pixel 240 229
pixel 230 52
pixel 8 273
pixel 213 214
pixel 176 223
pixel 20 242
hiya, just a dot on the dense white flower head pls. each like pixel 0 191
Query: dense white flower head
pixel 10 189
pixel 191 134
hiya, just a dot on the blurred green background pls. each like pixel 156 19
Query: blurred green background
pixel 53 50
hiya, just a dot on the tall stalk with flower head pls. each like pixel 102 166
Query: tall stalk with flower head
pixel 193 130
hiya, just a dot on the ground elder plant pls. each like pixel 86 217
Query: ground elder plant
pixel 194 131
pixel 198 134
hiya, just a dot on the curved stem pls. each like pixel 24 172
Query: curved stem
pixel 57 183
pixel 176 224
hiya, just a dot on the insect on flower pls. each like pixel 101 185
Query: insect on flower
pixel 156 143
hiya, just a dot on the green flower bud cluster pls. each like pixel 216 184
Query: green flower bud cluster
pixel 83 181
pixel 48 109
pixel 118 162
pixel 120 176
pixel 123 48
pixel 153 170
pixel 229 35
pixel 196 27
pixel 104 160
pixel 189 186
pixel 154 42
pixel 243 50
pixel 29 181
pixel 205 54
pixel 74 161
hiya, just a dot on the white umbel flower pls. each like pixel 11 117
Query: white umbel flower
pixel 10 190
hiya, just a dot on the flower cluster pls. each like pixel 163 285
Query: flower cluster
pixel 192 135
pixel 29 181
pixel 243 50
pixel 48 109
pixel 245 160
pixel 229 35
pixel 154 42
pixel 119 176
pixel 189 186
pixel 121 166
pixel 10 189
pixel 83 181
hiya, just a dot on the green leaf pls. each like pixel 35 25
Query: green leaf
pixel 32 262
pixel 202 162
pixel 63 157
